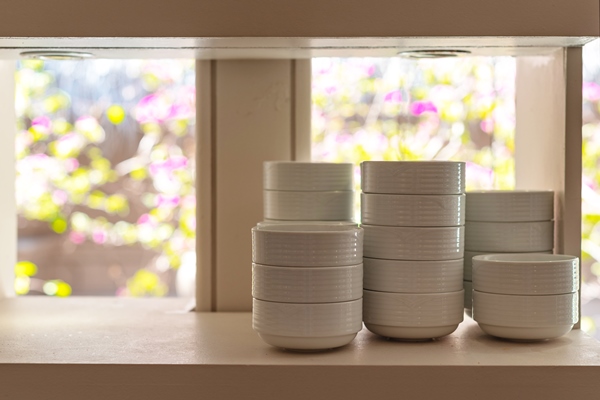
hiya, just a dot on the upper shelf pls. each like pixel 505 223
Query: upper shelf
pixel 285 29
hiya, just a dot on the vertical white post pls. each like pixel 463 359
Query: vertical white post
pixel 249 111
pixel 8 227
pixel 548 137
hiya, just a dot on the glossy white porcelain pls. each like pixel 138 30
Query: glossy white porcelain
pixel 307 320
pixel 417 316
pixel 526 274
pixel 307 343
pixel 302 245
pixel 411 333
pixel 509 237
pixel 307 285
pixel 269 222
pixel 413 210
pixel 526 334
pixel 468 270
pixel 308 206
pixel 413 276
pixel 307 176
pixel 510 205
pixel 413 243
pixel 525 311
pixel 413 177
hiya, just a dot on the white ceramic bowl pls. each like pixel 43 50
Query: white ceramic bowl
pixel 413 276
pixel 308 206
pixel 307 326
pixel 328 223
pixel 510 205
pixel 507 237
pixel 526 274
pixel 412 210
pixel 417 316
pixel 468 270
pixel 413 177
pixel 313 245
pixel 307 176
pixel 307 285
pixel 525 317
pixel 411 243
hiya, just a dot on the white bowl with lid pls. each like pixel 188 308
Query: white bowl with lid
pixel 412 316
pixel 413 276
pixel 413 177
pixel 307 245
pixel 507 237
pixel 308 176
pixel 308 206
pixel 468 270
pixel 307 326
pixel 526 274
pixel 307 284
pixel 412 210
pixel 525 317
pixel 510 205
pixel 413 243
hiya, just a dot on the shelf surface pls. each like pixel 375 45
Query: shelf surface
pixel 146 331
pixel 105 342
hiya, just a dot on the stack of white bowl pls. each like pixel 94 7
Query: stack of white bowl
pixel 413 215
pixel 525 296
pixel 506 221
pixel 306 191
pixel 307 284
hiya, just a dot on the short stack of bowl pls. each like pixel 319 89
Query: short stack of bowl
pixel 306 191
pixel 525 296
pixel 506 221
pixel 413 215
pixel 307 284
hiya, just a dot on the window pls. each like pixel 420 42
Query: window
pixel 105 177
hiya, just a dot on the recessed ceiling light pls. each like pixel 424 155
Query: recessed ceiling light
pixel 439 53
pixel 56 55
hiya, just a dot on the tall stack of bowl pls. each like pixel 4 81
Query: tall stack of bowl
pixel 526 296
pixel 307 284
pixel 413 215
pixel 506 221
pixel 305 191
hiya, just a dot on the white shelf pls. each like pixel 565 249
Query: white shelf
pixel 153 346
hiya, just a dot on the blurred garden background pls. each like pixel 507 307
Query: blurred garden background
pixel 105 157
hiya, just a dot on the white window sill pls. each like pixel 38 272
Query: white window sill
pixel 149 348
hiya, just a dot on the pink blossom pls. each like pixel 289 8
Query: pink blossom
pixel 99 236
pixel 71 164
pixel 145 219
pixel 59 197
pixel 591 91
pixel 420 107
pixel 394 97
pixel 169 165
pixel 42 122
pixel 330 89
pixel 76 237
pixel 163 200
pixel 487 125
pixel 152 108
